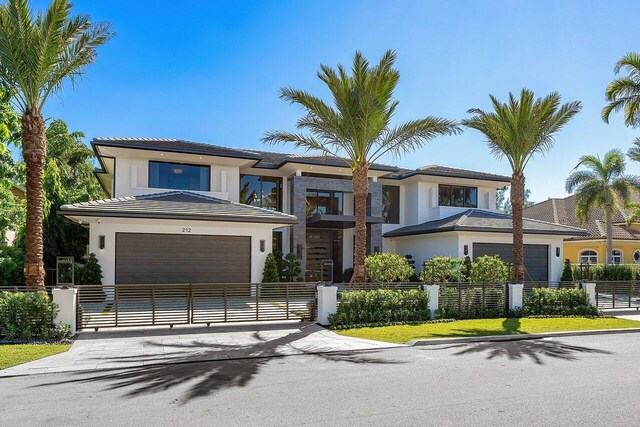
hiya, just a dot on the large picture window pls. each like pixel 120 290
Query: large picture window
pixel 458 196
pixel 325 202
pixel 391 204
pixel 261 191
pixel 178 176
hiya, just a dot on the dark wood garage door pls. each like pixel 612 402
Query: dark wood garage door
pixel 536 257
pixel 177 258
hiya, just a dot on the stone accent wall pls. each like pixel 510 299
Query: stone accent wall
pixel 300 185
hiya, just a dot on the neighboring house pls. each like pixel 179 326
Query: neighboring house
pixel 189 212
pixel 10 235
pixel 591 248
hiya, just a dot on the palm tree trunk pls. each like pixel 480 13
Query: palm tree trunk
pixel 517 206
pixel 360 190
pixel 609 230
pixel 34 152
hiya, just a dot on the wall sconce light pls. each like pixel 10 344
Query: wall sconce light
pixel 101 242
pixel 557 252
pixel 262 245
pixel 465 249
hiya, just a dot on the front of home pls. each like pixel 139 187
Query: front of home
pixel 591 248
pixel 186 212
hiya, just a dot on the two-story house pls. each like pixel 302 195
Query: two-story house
pixel 182 211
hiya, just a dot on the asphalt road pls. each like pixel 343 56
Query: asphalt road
pixel 590 380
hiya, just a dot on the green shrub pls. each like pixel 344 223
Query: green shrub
pixel 270 273
pixel 465 269
pixel 441 269
pixel 467 302
pixel 605 272
pixel 29 315
pixel 386 267
pixel 489 269
pixel 291 268
pixel 90 273
pixel 11 266
pixel 567 272
pixel 563 302
pixel 381 306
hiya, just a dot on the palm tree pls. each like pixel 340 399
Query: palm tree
pixel 624 92
pixel 634 152
pixel 37 53
pixel 518 130
pixel 603 185
pixel 358 126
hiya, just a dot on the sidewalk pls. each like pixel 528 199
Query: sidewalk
pixel 127 348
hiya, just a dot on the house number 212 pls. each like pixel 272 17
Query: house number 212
pixel 186 229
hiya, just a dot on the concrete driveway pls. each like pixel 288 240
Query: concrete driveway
pixel 135 347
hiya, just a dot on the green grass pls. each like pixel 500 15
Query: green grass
pixel 16 354
pixel 485 327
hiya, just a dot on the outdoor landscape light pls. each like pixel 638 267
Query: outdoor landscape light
pixel 101 242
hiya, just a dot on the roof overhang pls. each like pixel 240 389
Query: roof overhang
pixel 400 233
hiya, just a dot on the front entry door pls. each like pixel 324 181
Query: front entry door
pixel 323 245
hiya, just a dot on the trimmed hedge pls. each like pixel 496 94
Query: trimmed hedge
pixel 381 306
pixel 29 315
pixel 607 272
pixel 563 302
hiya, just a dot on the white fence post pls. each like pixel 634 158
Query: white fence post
pixel 516 296
pixel 434 296
pixel 591 291
pixel 327 303
pixel 66 301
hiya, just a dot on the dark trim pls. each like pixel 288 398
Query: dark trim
pixel 479 229
pixel 346 165
pixel 176 216
pixel 447 175
pixel 103 171
pixel 177 163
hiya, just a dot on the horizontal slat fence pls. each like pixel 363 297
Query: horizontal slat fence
pixel 616 294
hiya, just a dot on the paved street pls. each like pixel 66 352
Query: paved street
pixel 557 381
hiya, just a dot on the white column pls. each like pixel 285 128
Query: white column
pixel 65 299
pixel 434 296
pixel 516 292
pixel 591 291
pixel 327 303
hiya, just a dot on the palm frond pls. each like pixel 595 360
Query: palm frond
pixel 624 93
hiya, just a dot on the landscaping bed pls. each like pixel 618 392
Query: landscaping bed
pixel 17 354
pixel 487 327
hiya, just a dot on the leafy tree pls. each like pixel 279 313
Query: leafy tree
pixel 91 272
pixel 567 272
pixel 441 269
pixel 602 185
pixel 489 269
pixel 270 273
pixel 11 264
pixel 517 130
pixel 291 268
pixel 358 126
pixel 624 92
pixel 11 206
pixel 38 52
pixel 504 204
pixel 387 267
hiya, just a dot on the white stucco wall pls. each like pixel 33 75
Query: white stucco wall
pixel 108 227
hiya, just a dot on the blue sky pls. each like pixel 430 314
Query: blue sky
pixel 210 71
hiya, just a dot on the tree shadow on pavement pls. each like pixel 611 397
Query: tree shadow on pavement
pixel 207 376
pixel 535 349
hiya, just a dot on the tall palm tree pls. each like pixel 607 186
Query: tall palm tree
pixel 602 185
pixel 37 53
pixel 634 152
pixel 358 126
pixel 519 129
pixel 624 92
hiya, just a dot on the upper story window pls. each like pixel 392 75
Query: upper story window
pixel 458 196
pixel 179 176
pixel 325 202
pixel 588 257
pixel 261 191
pixel 391 204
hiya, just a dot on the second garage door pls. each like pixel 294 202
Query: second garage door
pixel 177 258
pixel 536 257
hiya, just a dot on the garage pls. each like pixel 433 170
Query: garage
pixel 536 258
pixel 177 258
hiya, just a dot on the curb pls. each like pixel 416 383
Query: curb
pixel 520 337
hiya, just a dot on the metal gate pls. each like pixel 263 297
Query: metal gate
pixel 618 294
pixel 103 306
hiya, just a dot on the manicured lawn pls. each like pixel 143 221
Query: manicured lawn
pixel 16 354
pixel 485 327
